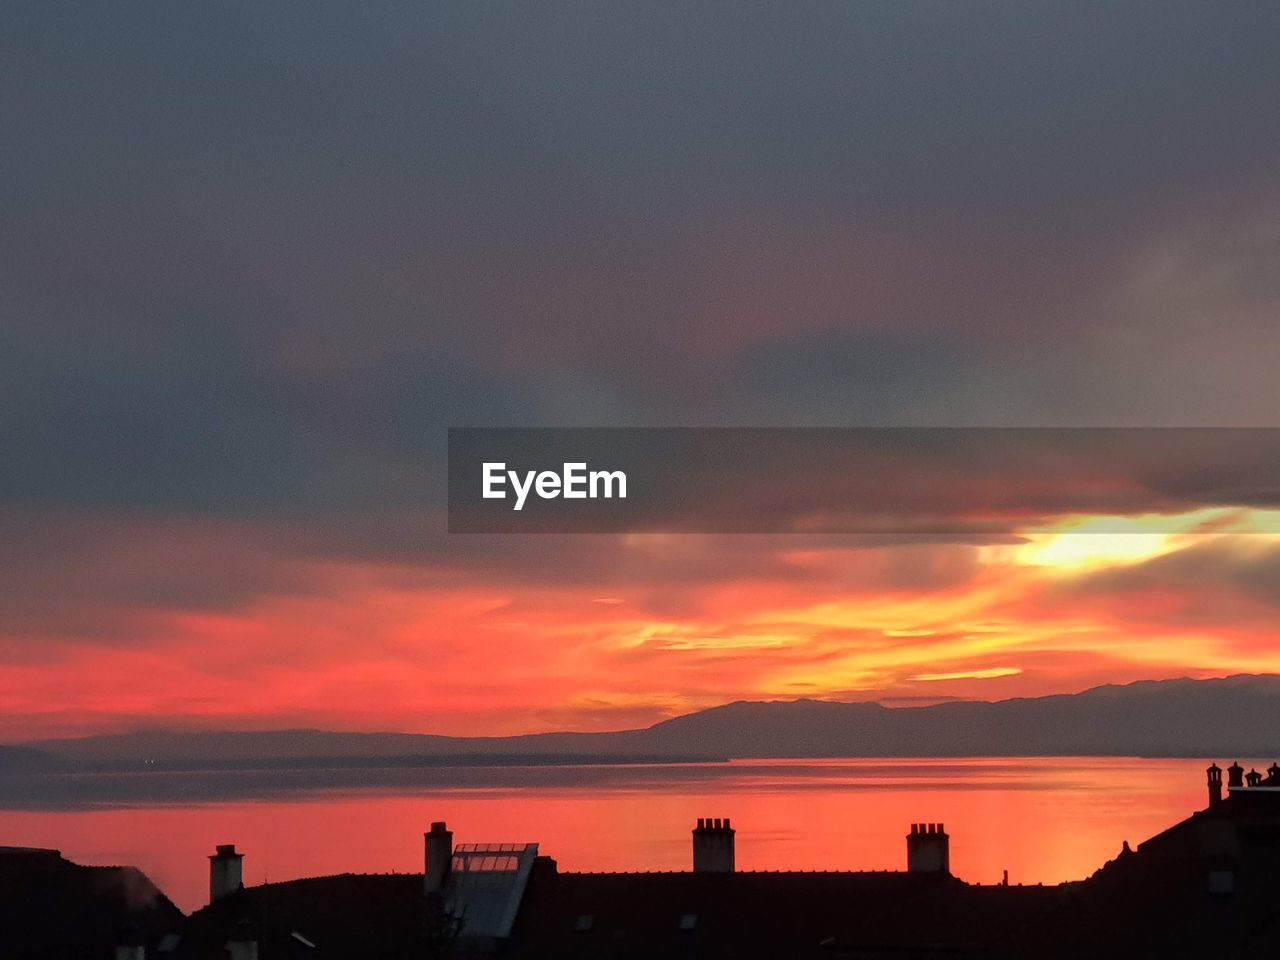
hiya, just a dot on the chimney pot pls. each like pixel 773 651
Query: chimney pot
pixel 713 847
pixel 1215 784
pixel 928 849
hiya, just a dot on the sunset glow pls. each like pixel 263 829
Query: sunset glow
pixel 638 636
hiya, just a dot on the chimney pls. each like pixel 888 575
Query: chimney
pixel 439 857
pixel 243 944
pixel 1253 778
pixel 1215 785
pixel 713 846
pixel 226 871
pixel 928 849
pixel 1235 775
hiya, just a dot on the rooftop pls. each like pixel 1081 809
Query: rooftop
pixel 53 909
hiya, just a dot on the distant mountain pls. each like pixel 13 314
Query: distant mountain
pixel 310 748
pixel 1149 718
pixel 1193 718
pixel 27 760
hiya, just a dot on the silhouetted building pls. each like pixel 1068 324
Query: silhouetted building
pixel 464 903
pixel 1205 888
pixel 53 909
pixel 749 914
pixel 351 915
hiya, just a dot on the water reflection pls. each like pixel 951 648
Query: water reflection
pixel 1042 819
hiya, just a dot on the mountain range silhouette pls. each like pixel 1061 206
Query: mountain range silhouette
pixel 1238 715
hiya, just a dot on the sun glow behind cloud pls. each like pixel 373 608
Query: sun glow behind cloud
pixel 1076 543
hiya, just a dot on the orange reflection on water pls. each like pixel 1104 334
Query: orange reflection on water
pixel 1042 819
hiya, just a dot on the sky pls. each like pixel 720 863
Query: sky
pixel 256 259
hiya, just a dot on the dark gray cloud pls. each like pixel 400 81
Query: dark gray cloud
pixel 258 257
pixel 190 418
pixel 162 149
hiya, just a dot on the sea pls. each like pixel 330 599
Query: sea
pixel 1041 819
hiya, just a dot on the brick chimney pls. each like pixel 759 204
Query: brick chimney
pixel 226 871
pixel 1215 784
pixel 439 857
pixel 713 846
pixel 928 849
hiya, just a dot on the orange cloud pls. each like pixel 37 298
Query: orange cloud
pixel 373 644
